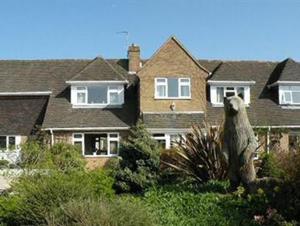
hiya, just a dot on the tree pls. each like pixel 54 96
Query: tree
pixel 140 159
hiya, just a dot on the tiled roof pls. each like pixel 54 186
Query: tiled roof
pixel 168 120
pixel 20 115
pixel 290 71
pixel 98 70
pixel 264 109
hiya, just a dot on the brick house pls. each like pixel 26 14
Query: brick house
pixel 93 103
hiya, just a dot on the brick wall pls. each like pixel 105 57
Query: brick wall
pixel 172 61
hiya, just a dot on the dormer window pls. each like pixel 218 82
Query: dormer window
pixel 97 95
pixel 289 95
pixel 172 88
pixel 217 94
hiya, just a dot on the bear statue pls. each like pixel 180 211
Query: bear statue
pixel 239 143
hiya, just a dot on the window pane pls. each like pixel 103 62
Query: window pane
pixel 113 135
pixel 78 135
pixel 241 92
pixel 230 94
pixel 161 80
pixel 172 87
pixel 161 91
pixel 81 98
pixel 78 144
pixel 97 95
pixel 287 97
pixel 220 94
pixel 81 88
pixel 185 90
pixel 12 143
pixel 113 147
pixel 296 97
pixel 2 142
pixel 114 98
pixel 184 80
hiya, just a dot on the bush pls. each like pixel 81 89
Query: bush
pixel 60 156
pixel 139 164
pixel 66 157
pixel 39 194
pixel 4 164
pixel 199 155
pixel 116 212
pixel 269 166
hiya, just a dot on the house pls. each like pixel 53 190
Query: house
pixel 93 103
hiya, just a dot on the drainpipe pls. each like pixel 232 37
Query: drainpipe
pixel 268 139
pixel 52 137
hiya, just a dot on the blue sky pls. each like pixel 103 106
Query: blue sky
pixel 210 29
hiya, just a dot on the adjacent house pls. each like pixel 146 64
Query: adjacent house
pixel 93 103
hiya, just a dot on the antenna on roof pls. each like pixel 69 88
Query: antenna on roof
pixel 126 35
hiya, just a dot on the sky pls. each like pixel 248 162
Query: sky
pixel 209 29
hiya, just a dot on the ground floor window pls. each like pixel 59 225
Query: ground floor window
pixel 97 144
pixel 166 141
pixel 9 143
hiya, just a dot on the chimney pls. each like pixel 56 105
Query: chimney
pixel 134 60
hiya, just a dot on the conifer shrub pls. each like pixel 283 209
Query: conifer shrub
pixel 139 164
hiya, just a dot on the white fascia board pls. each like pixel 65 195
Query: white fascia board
pixel 34 93
pixel 214 82
pixel 173 112
pixel 284 83
pixel 85 128
pixel 96 82
pixel 169 130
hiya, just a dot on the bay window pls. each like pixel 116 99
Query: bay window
pixel 97 95
pixel 172 88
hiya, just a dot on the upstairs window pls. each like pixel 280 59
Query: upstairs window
pixel 172 88
pixel 219 92
pixel 289 95
pixel 100 95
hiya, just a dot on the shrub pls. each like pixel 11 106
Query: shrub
pixel 33 155
pixel 269 166
pixel 60 156
pixel 139 164
pixel 4 164
pixel 116 212
pixel 199 155
pixel 66 157
pixel 39 194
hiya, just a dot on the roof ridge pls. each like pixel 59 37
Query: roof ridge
pixel 113 68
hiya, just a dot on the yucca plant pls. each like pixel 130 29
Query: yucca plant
pixel 199 154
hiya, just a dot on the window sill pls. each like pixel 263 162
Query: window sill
pixel 290 106
pixel 172 98
pixel 98 106
pixel 222 105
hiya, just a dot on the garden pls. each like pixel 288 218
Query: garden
pixel 145 185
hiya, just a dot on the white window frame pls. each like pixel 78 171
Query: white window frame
pixel 214 93
pixel 17 143
pixel 109 138
pixel 110 89
pixel 288 90
pixel 167 138
pixel 165 83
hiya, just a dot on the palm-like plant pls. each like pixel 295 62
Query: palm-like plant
pixel 199 154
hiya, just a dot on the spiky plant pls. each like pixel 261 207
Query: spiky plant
pixel 199 154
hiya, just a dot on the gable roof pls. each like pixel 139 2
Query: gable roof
pixel 290 71
pixel 173 38
pixel 98 70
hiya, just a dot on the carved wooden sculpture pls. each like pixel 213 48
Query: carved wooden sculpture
pixel 239 143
